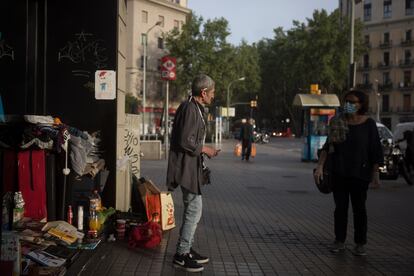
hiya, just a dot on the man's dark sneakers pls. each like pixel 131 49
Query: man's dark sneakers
pixel 185 262
pixel 197 257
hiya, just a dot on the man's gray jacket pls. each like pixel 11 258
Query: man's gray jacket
pixel 185 162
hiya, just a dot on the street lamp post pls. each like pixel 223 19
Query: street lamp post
pixel 377 97
pixel 351 52
pixel 144 76
pixel 228 101
pixel 352 65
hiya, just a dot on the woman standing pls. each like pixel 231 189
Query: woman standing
pixel 355 152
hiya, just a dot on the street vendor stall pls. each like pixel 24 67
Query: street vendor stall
pixel 317 111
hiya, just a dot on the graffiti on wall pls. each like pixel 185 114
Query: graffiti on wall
pixel 6 51
pixel 131 149
pixel 83 50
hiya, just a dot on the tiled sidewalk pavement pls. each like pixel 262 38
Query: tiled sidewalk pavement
pixel 266 218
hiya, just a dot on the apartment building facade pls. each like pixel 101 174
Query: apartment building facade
pixel 386 71
pixel 143 16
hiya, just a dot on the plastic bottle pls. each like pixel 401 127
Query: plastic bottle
pixel 95 202
pixel 70 214
pixel 94 224
pixel 80 218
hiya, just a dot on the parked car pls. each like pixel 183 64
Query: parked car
pixel 384 132
pixel 399 132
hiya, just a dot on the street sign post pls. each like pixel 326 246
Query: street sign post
pixel 168 73
pixel 168 68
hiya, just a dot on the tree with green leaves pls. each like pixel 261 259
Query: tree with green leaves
pixel 315 52
pixel 202 47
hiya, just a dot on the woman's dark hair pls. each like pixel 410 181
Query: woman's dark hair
pixel 362 98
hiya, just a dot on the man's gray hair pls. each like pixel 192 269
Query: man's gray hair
pixel 200 83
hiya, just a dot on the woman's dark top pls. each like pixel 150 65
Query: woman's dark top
pixel 355 157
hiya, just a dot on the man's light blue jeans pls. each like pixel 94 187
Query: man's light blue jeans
pixel 193 206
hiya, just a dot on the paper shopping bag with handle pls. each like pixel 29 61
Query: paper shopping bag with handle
pixel 167 211
pixel 238 150
pixel 253 152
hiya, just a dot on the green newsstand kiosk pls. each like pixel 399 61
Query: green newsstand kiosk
pixel 318 109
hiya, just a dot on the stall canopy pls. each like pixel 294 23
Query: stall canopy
pixel 311 100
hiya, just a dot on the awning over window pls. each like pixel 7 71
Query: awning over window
pixel 311 100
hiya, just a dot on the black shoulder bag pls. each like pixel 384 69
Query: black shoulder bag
pixel 325 184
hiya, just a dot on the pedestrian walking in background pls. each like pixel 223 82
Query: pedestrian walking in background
pixel 246 138
pixel 186 167
pixel 355 152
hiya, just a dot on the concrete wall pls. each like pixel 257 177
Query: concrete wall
pixel 123 183
pixel 151 150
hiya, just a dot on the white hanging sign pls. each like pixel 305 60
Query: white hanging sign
pixel 105 85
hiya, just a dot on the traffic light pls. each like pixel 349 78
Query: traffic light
pixel 314 89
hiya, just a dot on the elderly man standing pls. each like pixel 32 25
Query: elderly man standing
pixel 186 166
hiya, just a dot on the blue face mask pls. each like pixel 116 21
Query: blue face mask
pixel 350 108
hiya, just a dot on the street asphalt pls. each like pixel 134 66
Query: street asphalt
pixel 266 217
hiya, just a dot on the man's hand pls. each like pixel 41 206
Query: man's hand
pixel 210 152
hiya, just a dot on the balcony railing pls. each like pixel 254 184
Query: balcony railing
pixel 364 86
pixel 407 42
pixel 364 67
pixel 387 109
pixel 385 87
pixel 384 65
pixel 405 63
pixel 386 44
pixel 406 86
pixel 409 11
pixel 402 109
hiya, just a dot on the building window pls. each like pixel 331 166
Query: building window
pixel 409 7
pixel 407 56
pixel 159 64
pixel 161 20
pixel 386 58
pixel 141 88
pixel 366 41
pixel 160 43
pixel 143 38
pixel 408 35
pixel 176 24
pixel 385 103
pixel 387 8
pixel 142 62
pixel 386 78
pixel 367 10
pixel 365 78
pixel 407 103
pixel 407 78
pixel 366 61
pixel 386 38
pixel 144 17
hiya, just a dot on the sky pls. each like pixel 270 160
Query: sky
pixel 253 20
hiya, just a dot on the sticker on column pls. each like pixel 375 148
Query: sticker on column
pixel 105 85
